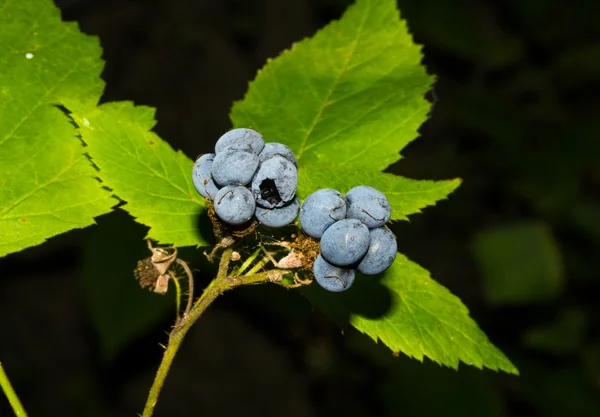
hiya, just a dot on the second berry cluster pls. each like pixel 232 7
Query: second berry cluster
pixel 352 232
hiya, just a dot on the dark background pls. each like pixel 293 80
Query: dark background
pixel 516 116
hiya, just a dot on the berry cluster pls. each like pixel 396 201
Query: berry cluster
pixel 352 232
pixel 247 177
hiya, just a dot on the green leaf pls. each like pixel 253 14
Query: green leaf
pixel 347 101
pixel 425 319
pixel 413 314
pixel 143 170
pixel 530 246
pixel 47 185
pixel 406 196
pixel 352 94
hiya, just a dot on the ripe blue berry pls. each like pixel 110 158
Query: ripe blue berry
pixel 320 210
pixel 368 205
pixel 381 253
pixel 275 148
pixel 234 167
pixel 345 242
pixel 242 139
pixel 278 216
pixel 202 177
pixel 234 204
pixel 331 277
pixel 275 182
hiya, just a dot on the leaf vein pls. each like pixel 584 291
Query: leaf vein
pixel 32 192
pixel 331 89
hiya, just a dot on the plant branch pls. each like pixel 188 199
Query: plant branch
pixel 223 282
pixel 14 401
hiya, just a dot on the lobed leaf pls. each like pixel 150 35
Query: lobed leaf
pixel 352 94
pixel 142 169
pixel 411 313
pixel 347 101
pixel 47 185
pixel 407 196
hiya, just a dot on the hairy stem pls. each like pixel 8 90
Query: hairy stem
pixel 190 276
pixel 11 394
pixel 223 282
pixel 177 297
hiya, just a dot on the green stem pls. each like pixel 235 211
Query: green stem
pixel 248 262
pixel 177 296
pixel 258 266
pixel 11 394
pixel 218 286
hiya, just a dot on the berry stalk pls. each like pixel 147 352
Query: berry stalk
pixel 222 282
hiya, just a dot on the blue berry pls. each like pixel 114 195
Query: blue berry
pixel 278 216
pixel 275 182
pixel 381 253
pixel 234 204
pixel 345 242
pixel 242 139
pixel 320 210
pixel 368 205
pixel 202 177
pixel 275 148
pixel 234 167
pixel 331 277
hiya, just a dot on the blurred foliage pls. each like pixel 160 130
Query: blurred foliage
pixel 515 98
pixel 426 389
pixel 565 335
pixel 519 263
pixel 560 391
